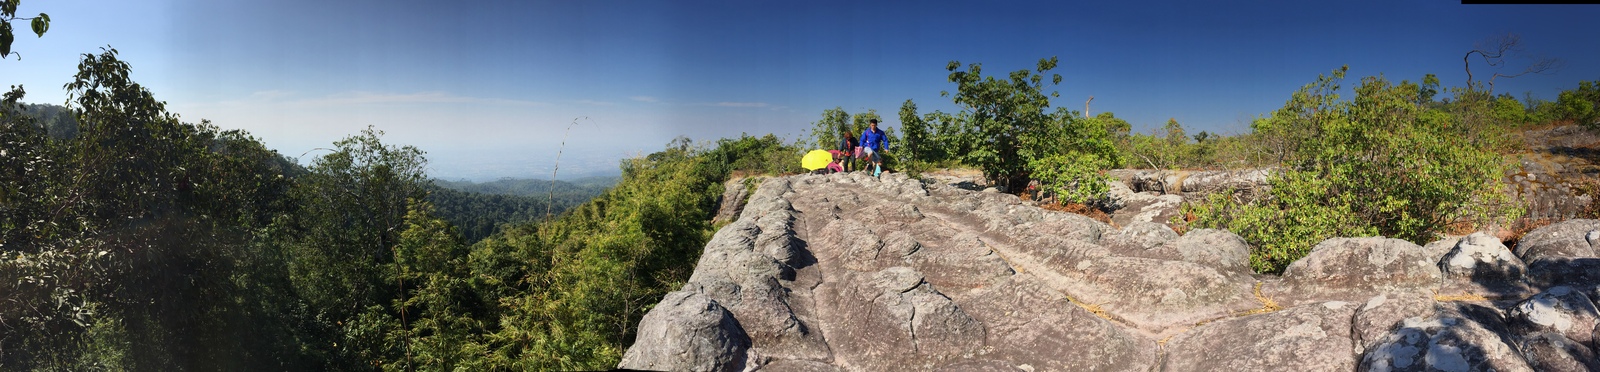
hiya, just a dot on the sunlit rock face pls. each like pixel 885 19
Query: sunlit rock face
pixel 855 273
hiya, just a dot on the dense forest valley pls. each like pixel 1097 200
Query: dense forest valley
pixel 130 240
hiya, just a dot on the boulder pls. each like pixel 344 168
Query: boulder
pixel 984 365
pixel 1479 264
pixel 1134 239
pixel 1561 254
pixel 1355 269
pixel 1550 351
pixel 1459 337
pixel 1213 248
pixel 1312 337
pixel 1563 310
pixel 1438 248
pixel 687 331
pixel 1065 225
pixel 1059 252
pixel 1207 182
pixel 1568 239
pixel 1147 207
pixel 1383 313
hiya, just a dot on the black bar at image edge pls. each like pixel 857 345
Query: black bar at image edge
pixel 1536 2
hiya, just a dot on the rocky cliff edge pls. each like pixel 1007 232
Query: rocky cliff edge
pixel 848 272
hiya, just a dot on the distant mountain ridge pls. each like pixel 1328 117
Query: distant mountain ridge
pixel 478 209
pixel 532 187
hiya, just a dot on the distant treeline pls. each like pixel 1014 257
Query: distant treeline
pixel 533 187
pixel 479 209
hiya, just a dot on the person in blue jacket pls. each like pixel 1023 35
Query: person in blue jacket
pixel 873 141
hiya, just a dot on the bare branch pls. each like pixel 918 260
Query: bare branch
pixel 1539 66
pixel 1494 52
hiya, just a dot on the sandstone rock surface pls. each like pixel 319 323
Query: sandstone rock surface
pixel 688 332
pixel 847 272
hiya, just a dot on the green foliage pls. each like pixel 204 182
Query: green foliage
pixel 8 13
pixel 1174 134
pixel 149 244
pixel 826 132
pixel 752 155
pixel 129 245
pixel 1378 164
pixel 561 294
pixel 919 145
pixel 438 316
pixel 1510 111
pixel 1283 229
pixel 1074 177
pixel 57 121
pixel 1005 130
pixel 1008 116
pixel 351 210
pixel 1171 147
pixel 580 283
pixel 1579 105
pixel 480 213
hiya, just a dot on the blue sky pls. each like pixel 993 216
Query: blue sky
pixel 488 87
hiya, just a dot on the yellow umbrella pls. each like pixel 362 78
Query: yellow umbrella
pixel 816 159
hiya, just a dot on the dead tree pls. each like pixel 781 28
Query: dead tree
pixel 1495 51
pixel 1086 107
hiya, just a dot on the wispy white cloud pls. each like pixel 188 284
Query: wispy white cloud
pixel 741 104
pixel 648 99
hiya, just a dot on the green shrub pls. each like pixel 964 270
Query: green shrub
pixel 1074 177
pixel 1579 104
pixel 1379 164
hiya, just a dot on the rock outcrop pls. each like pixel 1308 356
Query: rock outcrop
pixel 1551 178
pixel 847 272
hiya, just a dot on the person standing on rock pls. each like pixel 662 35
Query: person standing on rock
pixel 874 141
pixel 847 147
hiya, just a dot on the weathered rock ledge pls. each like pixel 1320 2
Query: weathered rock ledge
pixel 849 272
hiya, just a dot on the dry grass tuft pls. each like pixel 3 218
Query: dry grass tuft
pixel 1093 309
pixel 1267 304
pixel 1459 298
